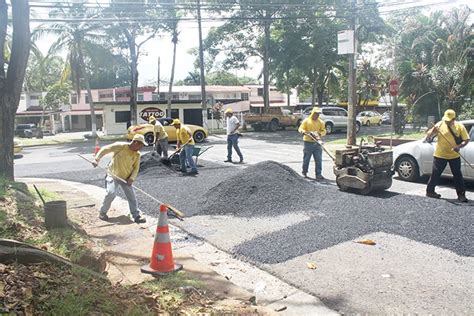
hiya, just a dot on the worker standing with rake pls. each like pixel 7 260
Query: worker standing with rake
pixel 123 167
pixel 160 138
pixel 313 129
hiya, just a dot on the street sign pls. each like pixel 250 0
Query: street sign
pixel 345 42
pixel 393 87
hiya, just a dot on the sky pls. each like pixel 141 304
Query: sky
pixel 188 39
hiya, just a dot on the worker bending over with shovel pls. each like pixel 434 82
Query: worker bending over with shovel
pixel 122 171
pixel 185 144
pixel 313 129
pixel 452 136
pixel 160 138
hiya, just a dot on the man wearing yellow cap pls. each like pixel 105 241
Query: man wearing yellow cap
pixel 233 125
pixel 160 137
pixel 124 165
pixel 313 129
pixel 452 136
pixel 186 141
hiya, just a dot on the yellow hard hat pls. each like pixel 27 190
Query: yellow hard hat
pixel 176 122
pixel 449 115
pixel 316 110
pixel 139 138
pixel 151 119
pixel 229 110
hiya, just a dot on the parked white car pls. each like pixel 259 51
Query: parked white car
pixel 334 117
pixel 415 159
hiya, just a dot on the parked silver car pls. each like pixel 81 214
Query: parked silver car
pixel 334 117
pixel 415 159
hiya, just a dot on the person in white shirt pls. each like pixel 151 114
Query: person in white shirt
pixel 233 125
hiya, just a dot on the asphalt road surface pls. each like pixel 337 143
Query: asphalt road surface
pixel 421 263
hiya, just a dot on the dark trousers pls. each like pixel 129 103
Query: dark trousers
pixel 438 167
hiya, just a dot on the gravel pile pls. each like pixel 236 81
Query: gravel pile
pixel 264 189
pixel 154 164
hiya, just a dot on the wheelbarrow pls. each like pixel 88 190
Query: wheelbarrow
pixel 197 152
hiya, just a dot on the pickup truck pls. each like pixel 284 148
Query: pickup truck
pixel 272 119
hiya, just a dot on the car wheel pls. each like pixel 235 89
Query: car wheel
pixel 273 126
pixel 199 136
pixel 357 127
pixel 407 168
pixel 329 128
pixel 149 138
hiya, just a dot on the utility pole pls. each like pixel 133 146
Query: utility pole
pixel 158 81
pixel 352 93
pixel 201 67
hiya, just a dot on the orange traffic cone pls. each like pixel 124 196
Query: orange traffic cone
pixel 97 147
pixel 161 261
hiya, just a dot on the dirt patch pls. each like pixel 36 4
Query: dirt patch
pixel 267 188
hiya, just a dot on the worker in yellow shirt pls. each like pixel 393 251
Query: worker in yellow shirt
pixel 124 165
pixel 452 136
pixel 160 138
pixel 186 141
pixel 313 128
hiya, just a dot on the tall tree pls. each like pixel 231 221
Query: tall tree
pixel 12 72
pixel 131 37
pixel 74 38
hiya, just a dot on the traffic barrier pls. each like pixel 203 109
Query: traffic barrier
pixel 97 147
pixel 161 261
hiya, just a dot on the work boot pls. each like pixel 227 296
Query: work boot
pixel 139 220
pixel 194 172
pixel 320 177
pixel 103 217
pixel 433 195
pixel 228 160
pixel 304 174
pixel 462 198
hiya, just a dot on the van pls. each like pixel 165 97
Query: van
pixel 334 117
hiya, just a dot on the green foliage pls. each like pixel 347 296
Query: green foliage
pixel 56 96
pixel 42 72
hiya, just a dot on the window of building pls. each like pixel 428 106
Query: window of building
pixel 260 92
pixel 244 96
pixel 194 97
pixel 122 95
pixel 106 95
pixel 174 113
pixel 175 96
pixel 122 116
pixel 162 96
pixel 75 119
pixel 87 98
pixel 140 97
pixel 74 98
pixel 154 96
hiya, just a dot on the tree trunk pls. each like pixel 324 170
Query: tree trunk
pixel 266 70
pixel 89 92
pixel 313 92
pixel 173 64
pixel 11 84
pixel 133 76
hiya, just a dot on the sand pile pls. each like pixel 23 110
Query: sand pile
pixel 267 188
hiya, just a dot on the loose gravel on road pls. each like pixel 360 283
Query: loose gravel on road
pixel 269 189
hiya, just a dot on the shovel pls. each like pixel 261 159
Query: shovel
pixel 167 161
pixel 322 146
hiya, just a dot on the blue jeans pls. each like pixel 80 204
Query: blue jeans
pixel 111 186
pixel 233 141
pixel 315 150
pixel 186 155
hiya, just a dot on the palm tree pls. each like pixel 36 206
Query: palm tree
pixel 74 38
